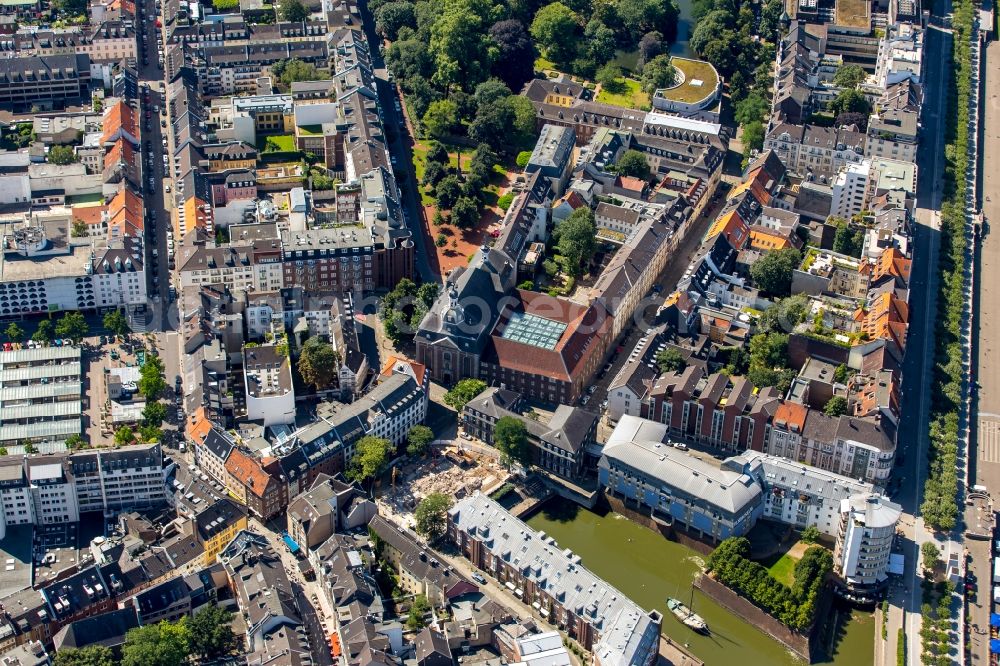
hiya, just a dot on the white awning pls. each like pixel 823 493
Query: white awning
pixel 536 605
pixel 509 585
pixel 545 612
pixel 519 592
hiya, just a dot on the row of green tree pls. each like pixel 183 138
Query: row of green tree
pixel 492 116
pixel 794 606
pixel 71 325
pixel 935 625
pixel 205 636
pixel 940 503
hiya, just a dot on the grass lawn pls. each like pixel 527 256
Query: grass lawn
pixel 420 165
pixel 784 569
pixel 541 64
pixel 631 98
pixel 279 143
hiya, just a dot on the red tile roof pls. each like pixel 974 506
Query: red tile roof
pixel 887 318
pixel 119 117
pixel 631 183
pixel 248 471
pixel 126 211
pixel 734 228
pixel 89 215
pixel 585 326
pixel 791 413
pixel 418 368
pixel 199 427
pixel 121 151
pixel 892 262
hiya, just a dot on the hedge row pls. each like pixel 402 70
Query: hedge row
pixel 940 505
pixel 793 606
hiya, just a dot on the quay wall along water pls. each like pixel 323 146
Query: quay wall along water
pixel 648 567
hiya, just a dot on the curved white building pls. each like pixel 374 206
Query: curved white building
pixel 864 541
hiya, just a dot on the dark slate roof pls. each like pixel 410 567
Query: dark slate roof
pixel 429 642
pixel 489 277
pixel 107 629
pixel 219 444
pixel 218 517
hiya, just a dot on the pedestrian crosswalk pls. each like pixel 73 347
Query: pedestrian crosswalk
pixel 988 441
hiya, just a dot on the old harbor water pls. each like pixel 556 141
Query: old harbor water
pixel 649 568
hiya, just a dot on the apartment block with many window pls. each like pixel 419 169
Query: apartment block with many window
pixel 57 488
pixel 554 581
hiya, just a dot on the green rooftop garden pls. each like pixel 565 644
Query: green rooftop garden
pixel 693 71
pixel 279 143
pixel 631 97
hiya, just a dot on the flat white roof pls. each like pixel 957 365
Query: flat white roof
pixel 36 391
pixel 48 410
pixel 31 372
pixel 47 471
pixel 678 122
pixel 56 429
pixel 39 355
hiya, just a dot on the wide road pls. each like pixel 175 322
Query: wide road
pixel 151 75
pixel 985 458
pixel 917 366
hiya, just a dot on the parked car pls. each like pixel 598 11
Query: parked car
pixel 479 578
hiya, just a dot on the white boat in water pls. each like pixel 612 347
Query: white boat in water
pixel 690 619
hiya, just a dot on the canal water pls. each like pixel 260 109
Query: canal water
pixel 681 46
pixel 685 24
pixel 649 568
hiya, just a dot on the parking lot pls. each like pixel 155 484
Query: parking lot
pixel 100 355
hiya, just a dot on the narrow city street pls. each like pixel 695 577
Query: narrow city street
pixel 316 618
pixel 493 589
pixel 155 169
